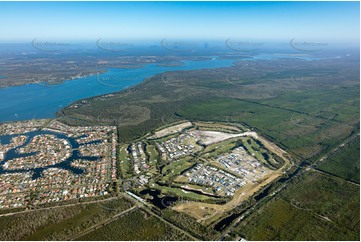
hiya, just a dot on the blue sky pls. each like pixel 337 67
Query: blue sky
pixel 328 21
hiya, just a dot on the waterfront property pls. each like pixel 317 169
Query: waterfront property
pixel 45 162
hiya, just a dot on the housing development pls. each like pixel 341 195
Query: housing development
pixel 47 161
pixel 200 162
pixel 204 172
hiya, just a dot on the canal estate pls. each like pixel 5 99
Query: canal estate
pixel 46 161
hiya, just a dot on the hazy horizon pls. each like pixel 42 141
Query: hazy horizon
pixel 208 21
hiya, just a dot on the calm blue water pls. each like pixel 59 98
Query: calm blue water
pixel 75 155
pixel 42 101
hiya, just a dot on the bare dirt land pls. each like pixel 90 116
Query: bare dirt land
pixel 210 137
pixel 207 137
pixel 170 130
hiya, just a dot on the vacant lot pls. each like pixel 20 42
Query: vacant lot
pixel 209 137
pixel 170 130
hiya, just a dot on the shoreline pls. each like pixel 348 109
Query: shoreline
pixel 56 81
pixel 87 90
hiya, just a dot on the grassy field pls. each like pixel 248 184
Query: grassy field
pixel 153 154
pixel 136 225
pixel 125 162
pixel 345 162
pixel 260 152
pixel 313 207
pixel 180 193
pixel 175 168
pixel 217 149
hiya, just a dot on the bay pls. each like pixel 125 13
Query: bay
pixel 41 100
